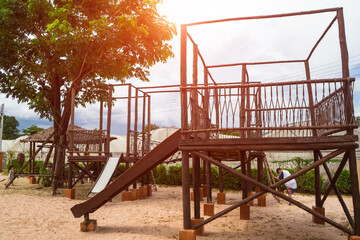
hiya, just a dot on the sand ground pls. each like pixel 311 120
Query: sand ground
pixel 28 212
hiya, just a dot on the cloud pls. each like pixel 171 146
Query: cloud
pixel 280 39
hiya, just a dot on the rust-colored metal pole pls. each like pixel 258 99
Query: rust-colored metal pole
pixel 194 126
pixel 314 132
pixel 128 123
pixel 101 128
pixel 206 164
pixel 184 126
pixel 242 133
pixel 349 115
pixel 108 125
pixel 143 126
pixel 136 121
pixel 149 124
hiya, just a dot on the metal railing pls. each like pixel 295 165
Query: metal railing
pixel 287 109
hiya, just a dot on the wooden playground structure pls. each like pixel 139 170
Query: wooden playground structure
pixel 238 121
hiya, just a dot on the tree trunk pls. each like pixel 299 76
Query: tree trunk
pixel 59 161
pixel 61 123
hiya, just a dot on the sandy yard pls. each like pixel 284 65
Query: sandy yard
pixel 28 212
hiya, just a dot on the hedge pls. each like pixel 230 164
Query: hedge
pixel 306 182
pixel 172 175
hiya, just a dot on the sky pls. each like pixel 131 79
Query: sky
pixel 279 39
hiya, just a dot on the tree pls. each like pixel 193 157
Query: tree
pixel 32 130
pixel 10 128
pixel 153 126
pixel 50 47
pixel 357 120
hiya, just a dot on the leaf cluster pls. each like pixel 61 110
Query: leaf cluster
pixel 48 47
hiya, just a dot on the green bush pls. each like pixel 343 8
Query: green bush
pixel 160 174
pixel 16 166
pixel 231 181
pixel 343 183
pixel 45 181
pixel 174 175
pixel 306 183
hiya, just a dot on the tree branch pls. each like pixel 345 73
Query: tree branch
pixel 35 65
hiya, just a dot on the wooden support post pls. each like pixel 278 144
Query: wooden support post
pixel 143 131
pixel 221 181
pixel 194 126
pixel 355 190
pixel 207 165
pixel 186 190
pixel 70 174
pixel 108 123
pixel 101 127
pixel 248 173
pixel 317 182
pixel 260 169
pixel 128 123
pixel 184 126
pixel 242 133
pixel 136 121
pixel 196 186
pixel 314 133
pixel 149 124
pixel 208 182
pixel 349 114
pixel 243 171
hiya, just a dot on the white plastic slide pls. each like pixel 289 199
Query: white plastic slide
pixel 103 180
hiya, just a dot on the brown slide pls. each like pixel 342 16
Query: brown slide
pixel 155 157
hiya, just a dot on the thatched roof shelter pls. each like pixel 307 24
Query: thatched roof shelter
pixel 44 134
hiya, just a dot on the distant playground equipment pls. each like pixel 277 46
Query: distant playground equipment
pixel 40 141
pixel 231 122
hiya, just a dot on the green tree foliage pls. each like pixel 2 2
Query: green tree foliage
pixel 357 120
pixel 343 183
pixel 50 47
pixel 153 126
pixel 11 130
pixel 32 130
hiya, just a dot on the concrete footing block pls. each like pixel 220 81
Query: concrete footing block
pixel 315 219
pixel 143 192
pixel 245 212
pixel 149 190
pixel 201 195
pixel 126 196
pixel 32 180
pixel 70 193
pixel 353 237
pixel 221 198
pixel 262 200
pixel 208 209
pixel 187 234
pixel 88 225
pixel 198 231
pixel 134 194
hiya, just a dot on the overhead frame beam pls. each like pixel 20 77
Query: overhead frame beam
pixel 265 16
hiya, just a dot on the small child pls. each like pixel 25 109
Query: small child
pixel 10 175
